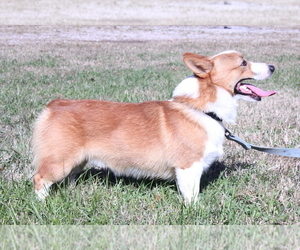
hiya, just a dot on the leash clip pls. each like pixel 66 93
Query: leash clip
pixel 238 140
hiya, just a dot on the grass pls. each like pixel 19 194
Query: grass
pixel 146 237
pixel 253 189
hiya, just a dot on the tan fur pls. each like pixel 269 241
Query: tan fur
pixel 120 134
pixel 150 139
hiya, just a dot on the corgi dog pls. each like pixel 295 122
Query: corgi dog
pixel 174 139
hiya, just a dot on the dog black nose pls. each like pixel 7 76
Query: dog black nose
pixel 272 68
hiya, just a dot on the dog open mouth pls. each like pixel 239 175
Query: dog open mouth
pixel 252 91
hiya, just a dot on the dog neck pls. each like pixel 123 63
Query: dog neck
pixel 201 95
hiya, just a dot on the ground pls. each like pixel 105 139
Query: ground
pixel 132 51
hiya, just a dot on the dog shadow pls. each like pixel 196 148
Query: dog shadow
pixel 216 171
pixel 106 175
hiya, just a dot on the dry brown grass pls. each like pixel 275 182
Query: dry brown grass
pixel 192 12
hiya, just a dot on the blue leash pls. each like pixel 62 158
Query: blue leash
pixel 289 152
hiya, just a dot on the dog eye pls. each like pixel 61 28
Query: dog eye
pixel 244 63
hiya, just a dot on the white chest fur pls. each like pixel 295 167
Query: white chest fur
pixel 215 132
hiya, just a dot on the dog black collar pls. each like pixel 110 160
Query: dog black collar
pixel 214 116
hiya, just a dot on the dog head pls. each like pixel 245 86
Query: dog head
pixel 229 70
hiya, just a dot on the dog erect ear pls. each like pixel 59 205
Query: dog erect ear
pixel 200 65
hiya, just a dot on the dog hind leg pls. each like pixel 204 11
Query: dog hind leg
pixel 50 173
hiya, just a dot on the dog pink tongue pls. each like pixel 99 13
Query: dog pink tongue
pixel 260 92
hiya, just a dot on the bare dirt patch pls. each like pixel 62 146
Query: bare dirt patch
pixel 33 34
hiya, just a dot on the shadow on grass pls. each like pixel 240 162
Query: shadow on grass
pixel 216 171
pixel 106 175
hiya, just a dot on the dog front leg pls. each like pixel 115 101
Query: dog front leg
pixel 188 181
